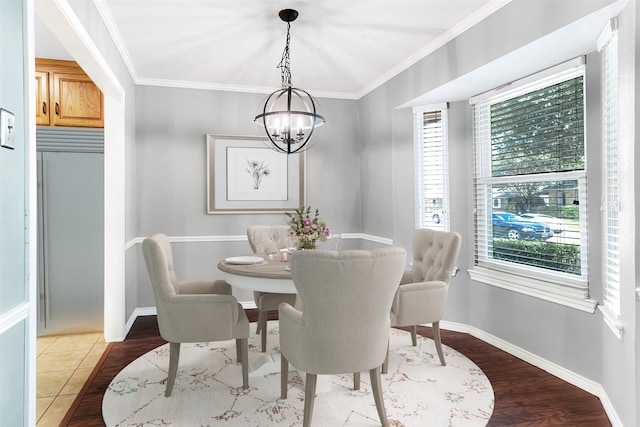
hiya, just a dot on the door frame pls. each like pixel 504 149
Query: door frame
pixel 61 20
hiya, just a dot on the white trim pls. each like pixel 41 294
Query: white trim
pixel 606 33
pixel 569 297
pixel 478 16
pixel 185 84
pixel 554 369
pixel 141 311
pixel 638 292
pixel 367 237
pixel 612 322
pixel 112 28
pixel 243 238
pixel 564 71
pixel 14 316
pixel 439 106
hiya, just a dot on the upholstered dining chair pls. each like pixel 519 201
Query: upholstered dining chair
pixel 268 239
pixel 422 294
pixel 343 322
pixel 193 311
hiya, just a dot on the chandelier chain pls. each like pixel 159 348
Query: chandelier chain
pixel 285 70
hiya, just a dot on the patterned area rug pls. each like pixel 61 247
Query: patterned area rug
pixel 418 391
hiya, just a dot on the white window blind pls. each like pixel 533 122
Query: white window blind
pixel 530 183
pixel 431 166
pixel 608 45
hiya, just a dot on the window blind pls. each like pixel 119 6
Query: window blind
pixel 611 291
pixel 530 180
pixel 432 184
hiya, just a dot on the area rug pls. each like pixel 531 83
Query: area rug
pixel 417 390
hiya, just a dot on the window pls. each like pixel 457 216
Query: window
pixel 431 180
pixel 608 45
pixel 530 187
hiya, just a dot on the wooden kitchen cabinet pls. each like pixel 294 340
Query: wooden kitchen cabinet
pixel 66 96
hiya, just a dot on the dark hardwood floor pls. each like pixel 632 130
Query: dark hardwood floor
pixel 525 396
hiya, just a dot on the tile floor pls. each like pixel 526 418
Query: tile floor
pixel 63 364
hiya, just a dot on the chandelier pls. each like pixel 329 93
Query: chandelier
pixel 289 117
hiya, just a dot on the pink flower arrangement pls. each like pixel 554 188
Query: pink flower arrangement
pixel 306 229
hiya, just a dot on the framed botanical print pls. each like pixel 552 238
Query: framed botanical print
pixel 246 176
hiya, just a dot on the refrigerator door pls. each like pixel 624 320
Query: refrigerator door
pixel 70 246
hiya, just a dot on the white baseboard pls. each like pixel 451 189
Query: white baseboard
pixel 556 370
pixel 143 311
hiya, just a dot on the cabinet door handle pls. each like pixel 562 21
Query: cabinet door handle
pixel 57 109
pixel 44 107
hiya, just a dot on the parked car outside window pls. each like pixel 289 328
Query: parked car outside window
pixel 507 224
pixel 556 224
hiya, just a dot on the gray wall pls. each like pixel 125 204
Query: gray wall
pixel 360 176
pixel 573 339
pixel 171 129
pixel 17 345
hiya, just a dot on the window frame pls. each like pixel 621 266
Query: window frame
pixel 562 288
pixel 611 306
pixel 420 165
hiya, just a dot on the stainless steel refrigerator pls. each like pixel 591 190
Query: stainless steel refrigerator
pixel 70 239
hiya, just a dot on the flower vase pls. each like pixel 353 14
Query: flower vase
pixel 304 244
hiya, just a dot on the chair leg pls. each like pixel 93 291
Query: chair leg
pixel 435 326
pixel 309 398
pixel 376 389
pixel 414 338
pixel 262 326
pixel 356 380
pixel 261 315
pixel 242 348
pixel 385 364
pixel 284 376
pixel 174 356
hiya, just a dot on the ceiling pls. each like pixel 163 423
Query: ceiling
pixel 339 48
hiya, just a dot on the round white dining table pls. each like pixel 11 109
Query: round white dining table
pixel 269 275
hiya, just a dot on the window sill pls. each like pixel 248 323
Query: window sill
pixel 547 291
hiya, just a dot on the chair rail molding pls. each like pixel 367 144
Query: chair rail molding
pixel 243 238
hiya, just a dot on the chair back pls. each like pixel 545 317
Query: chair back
pixel 265 239
pixel 345 298
pixel 158 257
pixel 435 253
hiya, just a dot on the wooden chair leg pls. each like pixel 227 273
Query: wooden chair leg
pixel 385 364
pixel 414 338
pixel 262 328
pixel 356 380
pixel 174 356
pixel 284 376
pixel 261 315
pixel 309 398
pixel 376 389
pixel 435 326
pixel 243 356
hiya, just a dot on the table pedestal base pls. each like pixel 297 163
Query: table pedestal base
pixel 270 364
